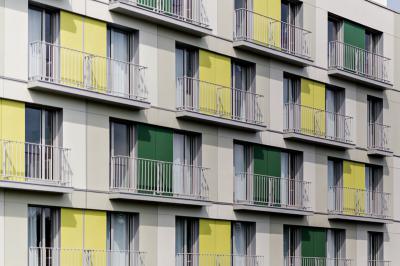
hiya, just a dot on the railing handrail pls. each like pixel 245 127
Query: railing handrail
pixel 379 124
pixel 221 86
pixel 35 144
pixel 140 67
pixel 158 162
pixel 87 250
pixel 202 21
pixel 274 177
pixel 361 49
pixel 273 19
pixel 219 255
pixel 347 117
pixel 359 189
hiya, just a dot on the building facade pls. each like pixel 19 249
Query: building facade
pixel 199 133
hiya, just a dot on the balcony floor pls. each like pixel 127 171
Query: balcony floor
pixel 317 140
pixel 367 219
pixel 45 86
pixel 161 19
pixel 121 195
pixel 185 114
pixel 269 209
pixel 34 186
pixel 271 52
pixel 360 79
pixel 379 153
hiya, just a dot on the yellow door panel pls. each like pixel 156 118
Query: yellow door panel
pixel 95 43
pixel 354 187
pixel 313 108
pixel 215 70
pixel 71 57
pixel 13 129
pixel 215 239
pixel 96 236
pixel 71 236
pixel 319 106
pixel 266 22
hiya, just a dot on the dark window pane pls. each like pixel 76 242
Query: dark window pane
pixel 121 139
pixel 32 125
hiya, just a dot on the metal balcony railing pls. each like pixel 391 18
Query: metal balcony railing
pixel 63 66
pixel 359 202
pixel 190 11
pixel 343 56
pixel 216 100
pixel 315 261
pixel 378 137
pixel 193 259
pixel 270 191
pixel 271 33
pixel 150 177
pixel 60 257
pixel 314 122
pixel 379 263
pixel 34 163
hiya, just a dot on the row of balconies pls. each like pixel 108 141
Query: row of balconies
pixel 265 35
pixel 66 71
pixel 56 257
pixel 46 168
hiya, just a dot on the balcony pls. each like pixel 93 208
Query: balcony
pixel 271 194
pixel 355 64
pixel 158 181
pixel 70 72
pixel 59 257
pixel 217 104
pixel 34 167
pixel 271 37
pixel 379 263
pixel 359 205
pixel 189 16
pixel 378 140
pixel 317 126
pixel 190 259
pixel 305 261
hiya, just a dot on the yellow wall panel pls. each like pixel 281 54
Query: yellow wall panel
pixel 13 128
pixel 214 238
pixel 215 70
pixel 266 26
pixel 353 180
pixel 71 41
pixel 95 42
pixel 71 236
pixel 96 235
pixel 313 107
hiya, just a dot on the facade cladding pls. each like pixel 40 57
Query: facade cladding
pixel 199 133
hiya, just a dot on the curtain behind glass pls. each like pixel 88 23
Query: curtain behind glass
pixel 119 66
pixel 120 239
pixel 239 244
pixel 240 172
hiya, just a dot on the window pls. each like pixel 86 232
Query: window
pixel 292 245
pixel 186 62
pixel 122 74
pixel 43 25
pixel 242 84
pixel 186 68
pixel 375 248
pixel 43 235
pixel 43 33
pixel 291 20
pixel 336 245
pixel 291 90
pixel 243 241
pixel 122 238
pixel 376 129
pixel 334 27
pixel 42 137
pixel 187 241
pixel 335 113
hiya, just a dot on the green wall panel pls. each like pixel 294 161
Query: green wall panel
pixel 353 35
pixel 154 144
pixel 313 243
